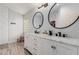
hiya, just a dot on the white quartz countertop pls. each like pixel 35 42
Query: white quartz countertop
pixel 66 40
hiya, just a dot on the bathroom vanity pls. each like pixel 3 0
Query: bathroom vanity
pixel 59 18
pixel 41 44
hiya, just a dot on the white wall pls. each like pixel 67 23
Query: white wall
pixel 72 31
pixel 3 24
pixel 10 32
pixel 28 21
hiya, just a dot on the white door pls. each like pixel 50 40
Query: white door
pixel 12 27
pixel 12 32
pixel 15 26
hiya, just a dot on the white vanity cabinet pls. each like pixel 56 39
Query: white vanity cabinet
pixel 35 45
pixel 43 46
pixel 28 43
pixel 31 43
pixel 49 47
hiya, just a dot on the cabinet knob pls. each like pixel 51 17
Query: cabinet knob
pixel 35 44
pixel 53 47
pixel 34 48
pixel 35 39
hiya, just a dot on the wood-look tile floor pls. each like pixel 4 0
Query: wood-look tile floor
pixel 12 49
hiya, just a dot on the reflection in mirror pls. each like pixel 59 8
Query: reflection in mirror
pixel 63 15
pixel 37 20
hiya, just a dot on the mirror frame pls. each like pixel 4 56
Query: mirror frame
pixel 41 22
pixel 58 27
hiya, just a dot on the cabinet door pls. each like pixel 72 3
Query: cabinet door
pixel 37 45
pixel 47 47
pixel 29 43
pixel 63 49
pixel 34 45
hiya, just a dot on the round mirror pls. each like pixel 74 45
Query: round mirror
pixel 63 15
pixel 37 20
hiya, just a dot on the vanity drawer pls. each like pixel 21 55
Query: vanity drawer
pixel 66 49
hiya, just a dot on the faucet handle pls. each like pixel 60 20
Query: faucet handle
pixel 65 35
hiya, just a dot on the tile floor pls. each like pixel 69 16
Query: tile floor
pixel 12 49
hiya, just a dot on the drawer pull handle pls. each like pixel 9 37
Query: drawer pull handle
pixel 53 47
pixel 34 48
pixel 35 44
pixel 35 39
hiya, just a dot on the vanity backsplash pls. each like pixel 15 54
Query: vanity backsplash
pixel 51 33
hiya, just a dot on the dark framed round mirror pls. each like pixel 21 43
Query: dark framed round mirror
pixel 37 20
pixel 63 15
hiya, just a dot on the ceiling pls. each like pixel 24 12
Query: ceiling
pixel 21 8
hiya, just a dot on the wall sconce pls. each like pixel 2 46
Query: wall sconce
pixel 44 5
